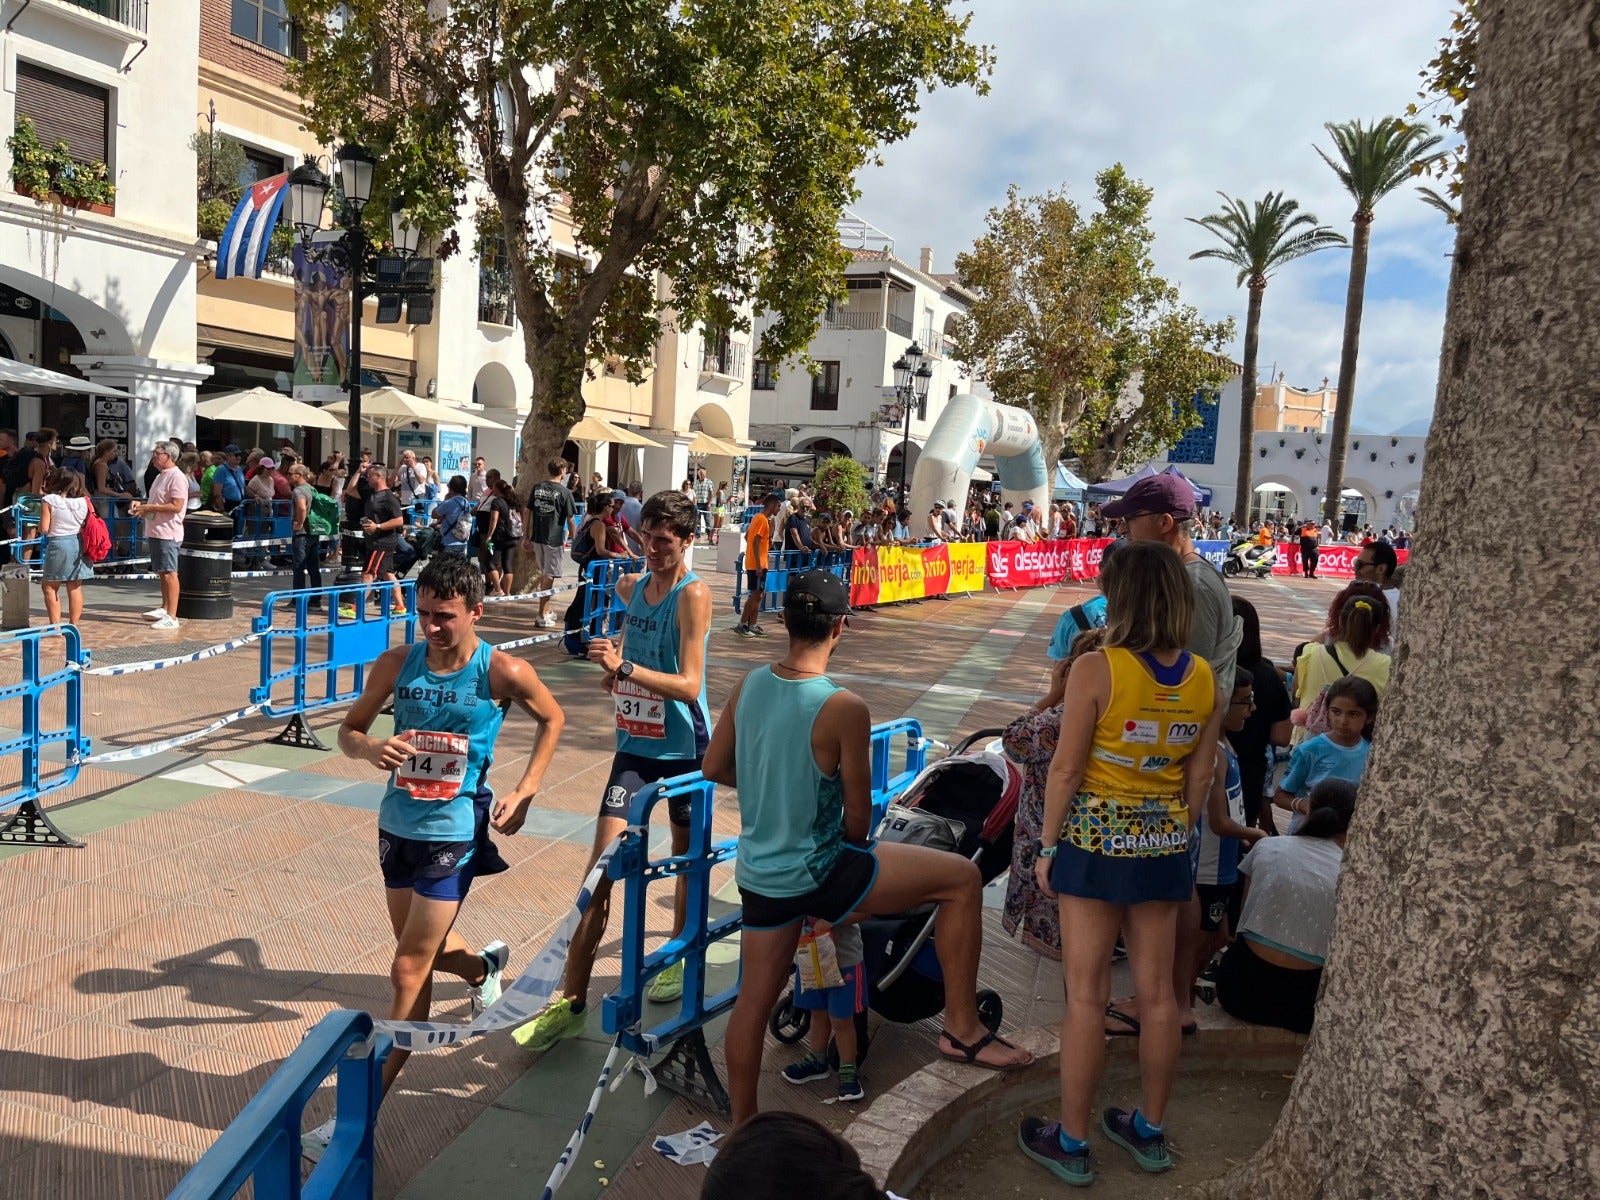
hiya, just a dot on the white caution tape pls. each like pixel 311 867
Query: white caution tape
pixel 558 1174
pixel 562 590
pixel 213 555
pixel 171 743
pixel 157 664
pixel 539 639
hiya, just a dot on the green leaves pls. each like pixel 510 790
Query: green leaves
pixel 1260 239
pixel 1372 160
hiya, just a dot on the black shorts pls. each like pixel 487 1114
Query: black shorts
pixel 436 870
pixel 380 562
pixel 632 773
pixel 496 557
pixel 834 899
pixel 756 581
pixel 1219 902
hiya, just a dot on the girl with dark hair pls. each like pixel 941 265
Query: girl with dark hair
pixel 1340 753
pixel 1268 724
pixel 785 1156
pixel 64 509
pixel 1271 972
pixel 1361 625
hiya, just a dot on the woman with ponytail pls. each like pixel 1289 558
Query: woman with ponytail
pixel 1271 972
pixel 1358 627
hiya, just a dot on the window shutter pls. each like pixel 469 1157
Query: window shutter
pixel 65 109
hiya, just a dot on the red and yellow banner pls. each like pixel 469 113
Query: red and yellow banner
pixel 886 574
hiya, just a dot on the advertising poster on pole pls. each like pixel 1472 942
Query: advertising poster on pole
pixel 321 326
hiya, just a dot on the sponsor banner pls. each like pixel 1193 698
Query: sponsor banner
pixel 1019 565
pixel 864 576
pixel 899 574
pixel 935 570
pixel 966 566
pixel 1333 562
pixel 1213 552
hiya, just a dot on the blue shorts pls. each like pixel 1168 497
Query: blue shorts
pixel 436 870
pixel 163 554
pixel 842 1002
pixel 1121 880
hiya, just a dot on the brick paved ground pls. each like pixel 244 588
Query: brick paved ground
pixel 228 897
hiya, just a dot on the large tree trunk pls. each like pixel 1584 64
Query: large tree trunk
pixel 1457 1048
pixel 1344 402
pixel 1244 492
pixel 557 404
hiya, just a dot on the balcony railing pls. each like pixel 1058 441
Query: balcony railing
pixel 494 299
pixel 726 360
pixel 135 14
pixel 847 318
pixel 899 325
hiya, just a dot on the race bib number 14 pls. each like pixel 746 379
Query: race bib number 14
pixel 640 712
pixel 439 767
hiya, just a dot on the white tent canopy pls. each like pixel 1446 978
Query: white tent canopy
pixel 25 379
pixel 1271 487
pixel 266 407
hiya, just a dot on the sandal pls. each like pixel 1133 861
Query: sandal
pixel 1116 1014
pixel 969 1054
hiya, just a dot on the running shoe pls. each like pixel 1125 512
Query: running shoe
pixel 165 622
pixel 850 1089
pixel 667 986
pixel 1149 1152
pixel 745 631
pixel 1042 1143
pixel 808 1070
pixel 314 1145
pixel 347 612
pixel 758 631
pixel 557 1021
pixel 155 614
pixel 398 610
pixel 495 956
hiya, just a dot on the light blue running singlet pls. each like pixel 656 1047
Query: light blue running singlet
pixel 450 707
pixel 649 725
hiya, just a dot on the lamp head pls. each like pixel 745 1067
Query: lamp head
pixel 902 372
pixel 407 237
pixel 308 192
pixel 356 166
pixel 924 377
pixel 913 355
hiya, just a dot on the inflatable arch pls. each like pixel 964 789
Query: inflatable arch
pixel 968 428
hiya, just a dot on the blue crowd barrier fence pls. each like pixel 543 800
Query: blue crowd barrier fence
pixel 261 1146
pixel 22 821
pixel 324 655
pixel 888 783
pixel 603 609
pixel 780 565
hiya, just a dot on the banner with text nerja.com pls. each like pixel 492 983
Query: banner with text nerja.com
pixel 887 574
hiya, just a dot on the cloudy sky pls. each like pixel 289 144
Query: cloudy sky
pixel 1194 98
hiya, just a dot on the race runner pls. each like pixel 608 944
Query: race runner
pixel 450 692
pixel 657 683
pixel 798 748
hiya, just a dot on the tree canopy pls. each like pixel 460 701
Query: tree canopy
pixel 1070 319
pixel 711 143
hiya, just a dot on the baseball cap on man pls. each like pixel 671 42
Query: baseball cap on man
pixel 1154 494
pixel 819 590
pixel 230 448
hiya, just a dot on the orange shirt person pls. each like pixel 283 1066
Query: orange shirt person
pixel 757 545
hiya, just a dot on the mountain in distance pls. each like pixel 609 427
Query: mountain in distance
pixel 1417 428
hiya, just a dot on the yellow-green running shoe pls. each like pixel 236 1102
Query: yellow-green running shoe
pixel 557 1021
pixel 667 986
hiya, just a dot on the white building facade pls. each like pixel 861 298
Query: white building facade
pixel 848 406
pixel 107 292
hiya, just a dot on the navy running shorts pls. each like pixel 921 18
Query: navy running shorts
pixel 632 773
pixel 436 870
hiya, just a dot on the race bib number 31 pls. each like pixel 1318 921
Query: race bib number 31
pixel 438 768
pixel 640 712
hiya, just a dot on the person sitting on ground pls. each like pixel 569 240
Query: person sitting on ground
pixel 1340 753
pixel 1031 915
pixel 1139 726
pixel 64 509
pixel 798 749
pixel 1352 650
pixel 1272 971
pixel 785 1156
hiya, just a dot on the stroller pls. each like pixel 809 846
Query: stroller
pixel 965 803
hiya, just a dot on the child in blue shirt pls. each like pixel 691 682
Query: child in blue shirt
pixel 1341 753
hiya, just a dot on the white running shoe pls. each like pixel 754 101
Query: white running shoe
pixel 495 956
pixel 155 614
pixel 165 622
pixel 314 1145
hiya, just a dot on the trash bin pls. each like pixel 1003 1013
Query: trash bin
pixel 205 567
pixel 16 595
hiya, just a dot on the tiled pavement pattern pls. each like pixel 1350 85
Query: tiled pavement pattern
pixel 228 897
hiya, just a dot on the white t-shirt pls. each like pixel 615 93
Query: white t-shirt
pixel 1290 903
pixel 66 515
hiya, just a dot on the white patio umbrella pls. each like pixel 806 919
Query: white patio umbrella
pixel 25 379
pixel 268 408
pixel 598 429
pixel 394 407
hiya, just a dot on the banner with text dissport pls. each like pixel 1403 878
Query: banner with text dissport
pixel 887 574
pixel 1024 565
pixel 1334 561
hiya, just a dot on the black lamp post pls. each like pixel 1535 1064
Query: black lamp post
pixel 912 377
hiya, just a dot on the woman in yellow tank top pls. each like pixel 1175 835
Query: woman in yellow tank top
pixel 1139 727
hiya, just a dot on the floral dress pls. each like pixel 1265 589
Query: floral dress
pixel 1030 914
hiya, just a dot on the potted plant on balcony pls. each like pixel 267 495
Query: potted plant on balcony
pixel 51 174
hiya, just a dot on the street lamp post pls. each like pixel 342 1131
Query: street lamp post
pixel 911 379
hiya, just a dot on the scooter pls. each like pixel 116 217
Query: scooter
pixel 1245 557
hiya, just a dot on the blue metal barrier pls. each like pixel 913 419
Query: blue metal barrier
pixel 261 1146
pixel 603 609
pixel 886 784
pixel 263 521
pixel 349 637
pixel 29 825
pixel 779 565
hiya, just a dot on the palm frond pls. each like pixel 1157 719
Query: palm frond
pixel 1370 161
pixel 1260 238
pixel 1433 199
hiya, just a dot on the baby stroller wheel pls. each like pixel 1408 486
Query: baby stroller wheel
pixel 789 1024
pixel 991 1008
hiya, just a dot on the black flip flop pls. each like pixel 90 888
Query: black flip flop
pixel 969 1054
pixel 1116 1014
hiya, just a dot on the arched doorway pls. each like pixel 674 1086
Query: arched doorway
pixel 891 473
pixel 496 390
pixel 824 446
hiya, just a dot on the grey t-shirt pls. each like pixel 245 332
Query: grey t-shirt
pixel 1216 633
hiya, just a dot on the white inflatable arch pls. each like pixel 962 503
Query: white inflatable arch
pixel 968 428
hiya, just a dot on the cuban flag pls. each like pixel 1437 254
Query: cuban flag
pixel 242 250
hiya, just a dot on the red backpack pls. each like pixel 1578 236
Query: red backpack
pixel 95 536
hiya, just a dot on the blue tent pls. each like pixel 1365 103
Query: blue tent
pixel 1118 487
pixel 1068 486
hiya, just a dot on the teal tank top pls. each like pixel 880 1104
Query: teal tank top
pixel 791 814
pixel 430 798
pixel 649 725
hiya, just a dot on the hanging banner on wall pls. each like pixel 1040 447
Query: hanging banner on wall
pixel 321 325
pixel 455 452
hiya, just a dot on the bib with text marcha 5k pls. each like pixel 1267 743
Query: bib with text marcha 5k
pixel 640 712
pixel 437 769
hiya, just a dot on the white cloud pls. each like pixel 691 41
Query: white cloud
pixel 1192 99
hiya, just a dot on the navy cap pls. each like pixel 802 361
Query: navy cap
pixel 821 590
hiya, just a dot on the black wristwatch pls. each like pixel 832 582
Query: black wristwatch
pixel 625 671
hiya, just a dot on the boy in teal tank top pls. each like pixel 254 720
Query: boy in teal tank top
pixel 656 679
pixel 450 692
pixel 798 748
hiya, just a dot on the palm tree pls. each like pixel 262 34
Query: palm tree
pixel 1258 242
pixel 1371 161
pixel 1450 209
